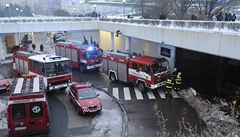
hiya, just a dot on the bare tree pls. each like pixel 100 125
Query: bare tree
pixel 180 8
pixel 207 8
pixel 152 8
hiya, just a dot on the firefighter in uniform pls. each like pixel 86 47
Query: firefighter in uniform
pixel 169 86
pixel 178 82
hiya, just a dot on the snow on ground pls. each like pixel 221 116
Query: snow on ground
pixel 108 126
pixel 3 111
pixel 109 122
pixel 219 123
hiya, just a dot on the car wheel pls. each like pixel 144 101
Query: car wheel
pixel 82 68
pixel 113 77
pixel 141 86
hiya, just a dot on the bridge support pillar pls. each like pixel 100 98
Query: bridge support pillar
pixel 112 41
pixel 128 43
pixel 2 47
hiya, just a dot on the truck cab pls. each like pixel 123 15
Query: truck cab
pixel 148 72
pixel 28 111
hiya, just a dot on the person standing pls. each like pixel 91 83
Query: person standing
pixel 33 46
pixel 178 82
pixel 169 86
pixel 233 17
pixel 41 47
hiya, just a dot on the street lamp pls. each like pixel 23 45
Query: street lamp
pixel 17 11
pixel 21 12
pixel 74 14
pixel 9 12
pixel 124 3
pixel 95 7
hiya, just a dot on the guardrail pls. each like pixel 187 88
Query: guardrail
pixel 205 25
pixel 181 24
pixel 45 19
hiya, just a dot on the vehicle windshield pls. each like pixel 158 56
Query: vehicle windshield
pixel 91 54
pixel 57 68
pixel 1 77
pixel 86 94
pixel 160 67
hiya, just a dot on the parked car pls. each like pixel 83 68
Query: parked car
pixel 84 98
pixel 4 84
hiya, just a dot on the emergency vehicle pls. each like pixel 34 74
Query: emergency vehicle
pixel 83 56
pixel 144 71
pixel 54 69
pixel 28 111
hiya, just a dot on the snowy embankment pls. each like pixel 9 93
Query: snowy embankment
pixel 218 122
pixel 3 111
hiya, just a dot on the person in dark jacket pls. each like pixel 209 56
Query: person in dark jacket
pixel 41 47
pixel 33 46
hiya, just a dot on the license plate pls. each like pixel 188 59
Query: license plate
pixel 20 128
pixel 61 86
pixel 92 110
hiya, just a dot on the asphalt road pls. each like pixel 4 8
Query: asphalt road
pixel 141 111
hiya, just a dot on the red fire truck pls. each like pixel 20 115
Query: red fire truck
pixel 55 69
pixel 83 56
pixel 144 71
pixel 28 111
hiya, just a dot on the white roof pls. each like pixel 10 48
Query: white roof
pixel 27 85
pixel 47 58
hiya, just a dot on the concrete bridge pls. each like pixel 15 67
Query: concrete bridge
pixel 216 38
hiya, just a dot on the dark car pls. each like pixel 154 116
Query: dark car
pixel 4 84
pixel 84 98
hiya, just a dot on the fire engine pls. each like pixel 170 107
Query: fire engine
pixel 55 69
pixel 144 71
pixel 83 56
pixel 28 111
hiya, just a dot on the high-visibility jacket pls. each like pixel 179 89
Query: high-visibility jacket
pixel 179 78
pixel 169 84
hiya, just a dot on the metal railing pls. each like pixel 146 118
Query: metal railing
pixel 45 19
pixel 176 24
pixel 182 24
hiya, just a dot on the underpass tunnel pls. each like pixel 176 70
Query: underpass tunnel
pixel 209 74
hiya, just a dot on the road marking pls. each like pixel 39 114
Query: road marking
pixel 116 93
pixel 150 95
pixel 105 89
pixel 127 95
pixel 174 94
pixel 162 94
pixel 138 94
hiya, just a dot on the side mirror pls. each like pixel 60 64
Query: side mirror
pixel 98 95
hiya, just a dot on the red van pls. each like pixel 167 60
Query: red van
pixel 28 111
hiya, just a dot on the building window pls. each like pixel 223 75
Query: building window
pixel 165 52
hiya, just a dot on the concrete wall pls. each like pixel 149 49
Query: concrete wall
pixel 149 48
pixel 105 41
pixel 47 27
pixel 105 38
pixel 78 35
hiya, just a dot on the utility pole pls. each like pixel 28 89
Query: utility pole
pixel 142 7
pixel 224 12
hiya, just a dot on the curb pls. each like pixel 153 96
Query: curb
pixel 125 117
